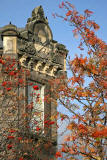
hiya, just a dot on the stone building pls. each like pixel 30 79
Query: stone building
pixel 35 49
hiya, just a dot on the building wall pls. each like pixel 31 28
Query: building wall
pixel 34 49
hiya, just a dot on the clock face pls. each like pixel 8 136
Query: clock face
pixel 42 33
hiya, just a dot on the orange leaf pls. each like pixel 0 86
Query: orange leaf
pixel 58 154
pixel 88 12
pixel 69 13
pixel 63 149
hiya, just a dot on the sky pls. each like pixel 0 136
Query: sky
pixel 18 11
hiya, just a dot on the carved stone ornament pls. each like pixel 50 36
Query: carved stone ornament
pixel 27 48
pixel 38 14
pixel 38 11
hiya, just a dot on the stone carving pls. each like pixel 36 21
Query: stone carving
pixel 61 47
pixel 37 28
pixel 38 14
pixel 44 53
pixel 27 48
pixel 38 11
pixel 37 41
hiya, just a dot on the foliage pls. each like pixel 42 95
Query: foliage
pixel 84 94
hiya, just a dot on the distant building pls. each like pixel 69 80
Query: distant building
pixel 36 50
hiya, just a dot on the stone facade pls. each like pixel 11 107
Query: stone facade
pixel 36 50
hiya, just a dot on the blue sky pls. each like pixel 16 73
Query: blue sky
pixel 17 11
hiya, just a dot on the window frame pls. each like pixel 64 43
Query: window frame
pixel 32 101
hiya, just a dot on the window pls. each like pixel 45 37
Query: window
pixel 9 46
pixel 36 98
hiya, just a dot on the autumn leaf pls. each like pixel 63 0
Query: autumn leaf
pixel 10 137
pixel 8 89
pixel 69 13
pixel 71 126
pixel 88 12
pixel 51 122
pixel 21 158
pixel 100 133
pixel 35 87
pixel 58 154
pixel 19 138
pixel 12 131
pixel 37 128
pixel 21 81
pixel 12 73
pixel 9 146
pixel 4 83
pixel 1 61
pixel 63 149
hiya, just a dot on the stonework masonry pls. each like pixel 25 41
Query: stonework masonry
pixel 36 50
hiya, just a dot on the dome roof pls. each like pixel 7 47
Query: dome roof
pixel 9 29
pixel 10 26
